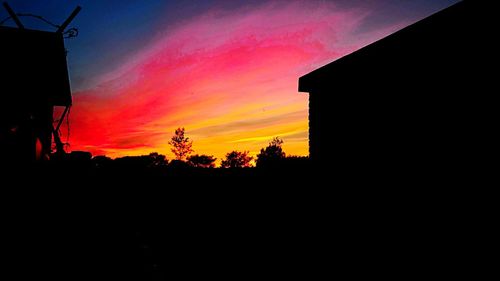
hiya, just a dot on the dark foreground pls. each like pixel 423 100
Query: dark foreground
pixel 75 222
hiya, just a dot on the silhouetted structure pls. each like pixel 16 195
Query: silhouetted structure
pixel 34 79
pixel 407 101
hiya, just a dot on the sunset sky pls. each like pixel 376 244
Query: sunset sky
pixel 227 71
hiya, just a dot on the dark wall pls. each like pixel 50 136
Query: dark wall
pixel 407 104
pixel 34 67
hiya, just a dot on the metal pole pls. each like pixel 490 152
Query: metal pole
pixel 62 118
pixel 69 19
pixel 13 15
pixel 57 140
pixel 55 131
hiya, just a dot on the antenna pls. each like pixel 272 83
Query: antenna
pixel 69 19
pixel 13 15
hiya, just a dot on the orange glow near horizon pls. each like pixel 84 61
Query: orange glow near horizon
pixel 230 79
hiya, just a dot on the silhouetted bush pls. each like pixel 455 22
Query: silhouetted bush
pixel 102 161
pixel 145 161
pixel 178 164
pixel 237 159
pixel 202 161
pixel 157 160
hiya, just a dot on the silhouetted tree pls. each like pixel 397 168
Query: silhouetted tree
pixel 181 145
pixel 272 154
pixel 202 161
pixel 157 160
pixel 237 159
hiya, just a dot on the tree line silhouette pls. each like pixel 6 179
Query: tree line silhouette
pixel 182 149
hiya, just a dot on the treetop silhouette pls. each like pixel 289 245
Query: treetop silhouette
pixel 272 154
pixel 181 145
pixel 237 159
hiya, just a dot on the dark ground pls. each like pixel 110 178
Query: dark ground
pixel 79 223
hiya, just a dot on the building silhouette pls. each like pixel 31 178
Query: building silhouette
pixel 34 79
pixel 406 104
